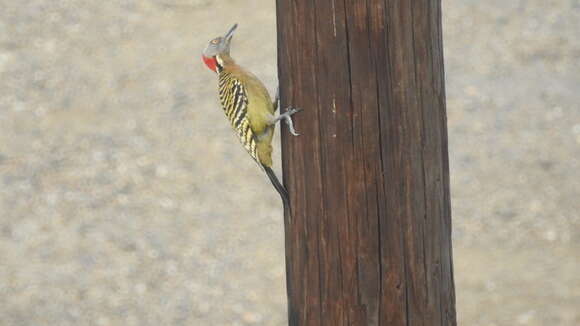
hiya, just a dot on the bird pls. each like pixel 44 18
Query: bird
pixel 248 106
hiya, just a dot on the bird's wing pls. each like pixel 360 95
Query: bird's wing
pixel 234 100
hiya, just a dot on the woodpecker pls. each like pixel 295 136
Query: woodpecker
pixel 248 106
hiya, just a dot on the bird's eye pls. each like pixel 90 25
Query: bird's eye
pixel 214 41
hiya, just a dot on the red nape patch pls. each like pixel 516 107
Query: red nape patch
pixel 211 63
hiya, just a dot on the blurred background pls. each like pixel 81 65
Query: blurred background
pixel 125 199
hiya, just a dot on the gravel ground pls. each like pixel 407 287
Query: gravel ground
pixel 123 203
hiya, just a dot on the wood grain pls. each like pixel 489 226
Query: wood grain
pixel 369 240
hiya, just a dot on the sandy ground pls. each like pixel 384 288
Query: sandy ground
pixel 126 200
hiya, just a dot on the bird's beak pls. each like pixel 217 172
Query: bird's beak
pixel 230 33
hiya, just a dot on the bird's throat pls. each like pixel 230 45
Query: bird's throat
pixel 211 62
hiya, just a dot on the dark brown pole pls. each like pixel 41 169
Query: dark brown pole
pixel 369 241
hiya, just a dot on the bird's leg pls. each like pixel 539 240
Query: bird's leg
pixel 276 99
pixel 287 117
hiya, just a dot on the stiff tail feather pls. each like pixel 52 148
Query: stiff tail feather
pixel 279 187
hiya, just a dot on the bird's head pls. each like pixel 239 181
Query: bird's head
pixel 216 47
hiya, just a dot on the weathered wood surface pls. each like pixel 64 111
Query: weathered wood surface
pixel 369 241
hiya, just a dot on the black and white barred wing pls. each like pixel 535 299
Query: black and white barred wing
pixel 234 100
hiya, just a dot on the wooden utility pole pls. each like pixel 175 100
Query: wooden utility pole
pixel 369 240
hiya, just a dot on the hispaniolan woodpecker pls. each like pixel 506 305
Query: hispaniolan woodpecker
pixel 247 106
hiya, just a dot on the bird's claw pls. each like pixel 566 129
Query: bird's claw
pixel 288 118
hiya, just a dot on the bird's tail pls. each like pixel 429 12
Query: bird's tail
pixel 279 187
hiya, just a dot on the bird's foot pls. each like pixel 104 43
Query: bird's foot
pixel 287 116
